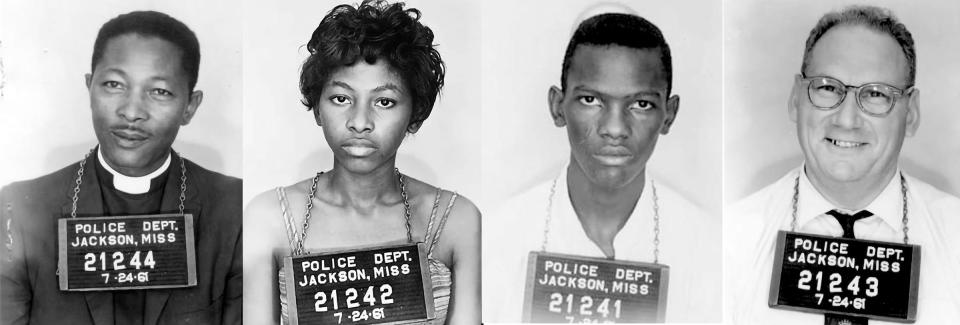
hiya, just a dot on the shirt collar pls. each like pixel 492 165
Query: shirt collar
pixel 128 184
pixel 888 206
pixel 565 217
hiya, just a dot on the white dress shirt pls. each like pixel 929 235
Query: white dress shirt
pixel 751 225
pixel 689 245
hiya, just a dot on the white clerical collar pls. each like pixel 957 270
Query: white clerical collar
pixel 132 185
pixel 888 205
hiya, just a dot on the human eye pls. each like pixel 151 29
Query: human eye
pixel 589 100
pixel 876 95
pixel 160 92
pixel 642 105
pixel 385 102
pixel 112 86
pixel 340 100
pixel 829 88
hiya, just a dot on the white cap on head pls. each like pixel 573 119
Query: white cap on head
pixel 601 8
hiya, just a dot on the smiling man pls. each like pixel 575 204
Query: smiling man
pixel 178 259
pixel 604 213
pixel 854 101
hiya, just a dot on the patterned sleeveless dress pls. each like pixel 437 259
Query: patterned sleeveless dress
pixel 439 273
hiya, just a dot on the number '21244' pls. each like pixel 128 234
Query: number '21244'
pixel 90 261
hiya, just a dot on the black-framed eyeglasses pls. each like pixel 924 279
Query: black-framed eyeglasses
pixel 873 98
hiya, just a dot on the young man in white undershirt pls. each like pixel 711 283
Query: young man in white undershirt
pixel 615 101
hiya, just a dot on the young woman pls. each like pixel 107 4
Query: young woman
pixel 372 77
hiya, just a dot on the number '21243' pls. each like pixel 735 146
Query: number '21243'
pixel 806 276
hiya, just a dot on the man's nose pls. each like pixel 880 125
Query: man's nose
pixel 613 122
pixel 848 114
pixel 134 106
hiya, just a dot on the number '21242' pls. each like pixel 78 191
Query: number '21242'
pixel 351 296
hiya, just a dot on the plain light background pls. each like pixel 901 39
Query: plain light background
pixel 45 117
pixel 523 47
pixel 283 144
pixel 763 50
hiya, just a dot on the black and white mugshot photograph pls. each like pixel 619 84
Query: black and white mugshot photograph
pixel 121 196
pixel 453 162
pixel 601 162
pixel 840 182
pixel 362 154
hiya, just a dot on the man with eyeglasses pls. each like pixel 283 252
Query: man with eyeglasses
pixel 854 101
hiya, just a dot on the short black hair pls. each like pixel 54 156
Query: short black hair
pixel 152 24
pixel 874 18
pixel 619 29
pixel 372 31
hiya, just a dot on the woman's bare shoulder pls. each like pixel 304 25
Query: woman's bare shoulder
pixel 264 213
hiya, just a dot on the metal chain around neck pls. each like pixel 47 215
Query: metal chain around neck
pixel 903 192
pixel 656 219
pixel 656 224
pixel 905 220
pixel 76 189
pixel 313 194
pixel 546 226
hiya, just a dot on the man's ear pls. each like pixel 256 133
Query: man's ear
pixel 88 78
pixel 794 100
pixel 554 99
pixel 913 112
pixel 196 98
pixel 673 107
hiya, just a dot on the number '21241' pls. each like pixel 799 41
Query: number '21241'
pixel 585 305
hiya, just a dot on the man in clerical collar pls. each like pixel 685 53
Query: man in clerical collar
pixel 854 100
pixel 141 84
pixel 615 99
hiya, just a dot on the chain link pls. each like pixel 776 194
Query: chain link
pixel 546 226
pixel 183 184
pixel 406 204
pixel 306 217
pixel 903 190
pixel 796 198
pixel 656 219
pixel 656 224
pixel 313 194
pixel 76 189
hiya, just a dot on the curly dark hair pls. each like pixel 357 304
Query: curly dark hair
pixel 372 31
